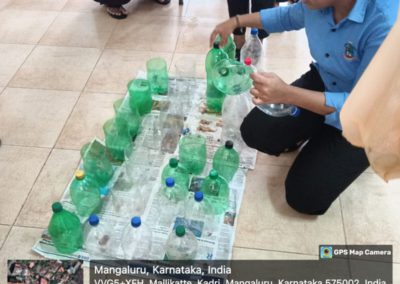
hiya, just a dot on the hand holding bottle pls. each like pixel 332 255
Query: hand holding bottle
pixel 269 88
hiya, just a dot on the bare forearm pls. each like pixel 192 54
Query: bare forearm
pixel 310 100
pixel 248 20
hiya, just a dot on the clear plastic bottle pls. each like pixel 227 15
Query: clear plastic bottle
pixel 173 191
pixel 128 204
pixel 253 49
pixel 226 161
pixel 97 237
pixel 234 110
pixel 176 171
pixel 276 110
pixel 136 241
pixel 172 198
pixel 198 214
pixel 181 245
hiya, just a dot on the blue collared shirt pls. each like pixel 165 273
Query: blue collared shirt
pixel 341 51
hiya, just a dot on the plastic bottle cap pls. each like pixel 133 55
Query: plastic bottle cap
pixel 136 221
pixel 79 175
pixel 173 163
pixel 56 207
pixel 295 112
pixel 198 196
pixel 247 61
pixel 254 31
pixel 180 231
pixel 169 182
pixel 94 220
pixel 229 144
pixel 216 45
pixel 213 174
pixel 104 191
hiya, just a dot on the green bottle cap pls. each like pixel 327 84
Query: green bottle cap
pixel 79 175
pixel 57 207
pixel 173 163
pixel 213 174
pixel 180 231
pixel 216 45
pixel 229 144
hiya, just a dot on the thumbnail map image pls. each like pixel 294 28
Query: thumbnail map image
pixel 45 272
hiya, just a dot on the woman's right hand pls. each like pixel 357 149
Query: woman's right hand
pixel 223 29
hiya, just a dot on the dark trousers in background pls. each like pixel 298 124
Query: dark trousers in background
pixel 240 7
pixel 113 3
pixel 325 166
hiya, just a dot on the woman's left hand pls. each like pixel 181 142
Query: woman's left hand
pixel 269 88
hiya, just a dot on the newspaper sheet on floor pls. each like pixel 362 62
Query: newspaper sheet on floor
pixel 215 242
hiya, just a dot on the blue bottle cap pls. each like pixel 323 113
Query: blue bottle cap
pixel 94 220
pixel 185 131
pixel 104 191
pixel 169 182
pixel 136 221
pixel 295 112
pixel 254 31
pixel 198 196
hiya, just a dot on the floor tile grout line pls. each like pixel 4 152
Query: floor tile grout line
pixel 26 146
pixel 34 47
pixel 83 88
pixel 26 198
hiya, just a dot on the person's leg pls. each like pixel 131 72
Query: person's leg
pixel 236 7
pixel 275 135
pixel 324 168
pixel 114 8
pixel 257 6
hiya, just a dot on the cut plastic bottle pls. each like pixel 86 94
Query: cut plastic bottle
pixel 193 153
pixel 181 245
pixel 65 230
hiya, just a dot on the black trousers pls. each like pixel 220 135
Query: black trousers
pixel 240 7
pixel 113 3
pixel 325 166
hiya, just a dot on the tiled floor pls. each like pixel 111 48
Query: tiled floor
pixel 64 62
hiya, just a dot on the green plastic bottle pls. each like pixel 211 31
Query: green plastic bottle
pixel 127 116
pixel 214 97
pixel 85 194
pixel 232 77
pixel 177 172
pixel 65 230
pixel 140 96
pixel 193 153
pixel 229 48
pixel 117 139
pixel 226 161
pixel 96 164
pixel 216 191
